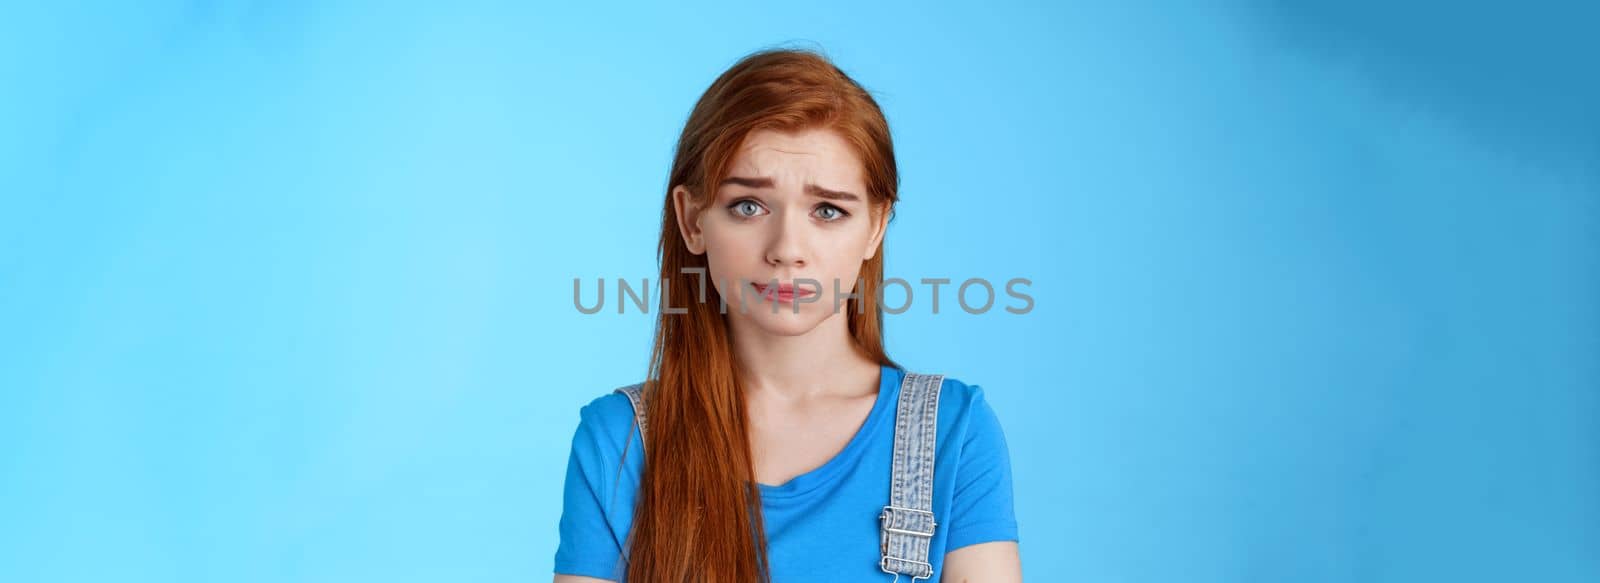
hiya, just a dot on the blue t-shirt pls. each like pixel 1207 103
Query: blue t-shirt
pixel 821 525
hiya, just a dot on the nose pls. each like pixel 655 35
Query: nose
pixel 788 245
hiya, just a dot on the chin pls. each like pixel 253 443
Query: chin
pixel 785 322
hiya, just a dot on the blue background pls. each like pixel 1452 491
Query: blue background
pixel 286 287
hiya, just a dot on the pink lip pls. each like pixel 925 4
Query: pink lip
pixel 782 292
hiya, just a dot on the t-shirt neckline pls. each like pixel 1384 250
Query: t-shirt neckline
pixel 888 391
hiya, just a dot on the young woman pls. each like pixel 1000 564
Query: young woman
pixel 773 439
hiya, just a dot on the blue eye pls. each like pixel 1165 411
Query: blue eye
pixel 831 213
pixel 745 209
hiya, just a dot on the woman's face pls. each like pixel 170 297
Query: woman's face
pixel 793 207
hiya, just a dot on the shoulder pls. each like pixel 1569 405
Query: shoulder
pixel 959 392
pixel 605 422
pixel 607 406
pixel 962 397
pixel 964 409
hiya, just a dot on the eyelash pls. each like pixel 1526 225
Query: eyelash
pixel 737 215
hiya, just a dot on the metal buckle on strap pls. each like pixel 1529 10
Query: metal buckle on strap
pixel 887 515
pixel 887 518
pixel 883 565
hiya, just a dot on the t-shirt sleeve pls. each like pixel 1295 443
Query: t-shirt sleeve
pixel 587 546
pixel 981 507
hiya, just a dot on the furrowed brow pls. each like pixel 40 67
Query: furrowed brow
pixel 821 192
pixel 756 182
pixel 812 189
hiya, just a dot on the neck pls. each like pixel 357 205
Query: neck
pixel 823 362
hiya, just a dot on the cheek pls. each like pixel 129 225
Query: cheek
pixel 849 244
pixel 731 253
pixel 841 257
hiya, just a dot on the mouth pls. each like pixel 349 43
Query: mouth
pixel 782 292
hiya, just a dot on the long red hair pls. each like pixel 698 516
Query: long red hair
pixel 699 508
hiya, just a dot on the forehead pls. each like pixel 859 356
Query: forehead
pixel 817 156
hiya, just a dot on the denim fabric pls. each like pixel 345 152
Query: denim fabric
pixel 907 522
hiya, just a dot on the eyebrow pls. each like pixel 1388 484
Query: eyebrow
pixel 812 189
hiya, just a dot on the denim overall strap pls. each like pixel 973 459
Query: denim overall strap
pixel 906 524
pixel 635 393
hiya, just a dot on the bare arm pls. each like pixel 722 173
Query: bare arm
pixel 579 579
pixel 991 562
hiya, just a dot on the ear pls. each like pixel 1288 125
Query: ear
pixel 880 226
pixel 688 220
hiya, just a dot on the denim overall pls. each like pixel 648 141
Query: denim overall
pixel 906 523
